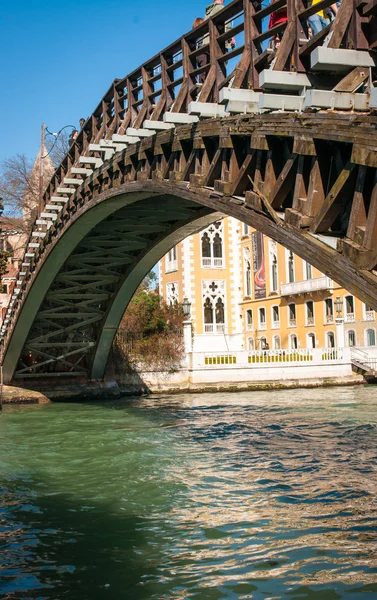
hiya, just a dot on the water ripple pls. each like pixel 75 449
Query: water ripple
pixel 258 495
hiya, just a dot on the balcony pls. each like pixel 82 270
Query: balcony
pixel 212 263
pixel 310 321
pixel 214 328
pixel 292 323
pixel 262 326
pixel 329 319
pixel 275 324
pixel 306 287
pixel 369 315
pixel 349 318
pixel 249 327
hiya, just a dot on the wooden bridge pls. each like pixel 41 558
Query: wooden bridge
pixel 283 138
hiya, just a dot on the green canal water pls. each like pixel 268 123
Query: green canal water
pixel 258 495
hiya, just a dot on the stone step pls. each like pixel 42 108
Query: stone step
pixel 58 199
pixel 51 216
pixel 281 102
pixel 234 94
pixel 179 118
pixel 157 125
pixel 113 145
pixel 108 152
pixel 206 109
pixel 69 181
pixel 91 160
pixel 283 80
pixel 81 171
pixel 40 234
pixel 331 100
pixel 131 131
pixel 339 59
pixel 57 207
pixel 125 139
pixel 65 190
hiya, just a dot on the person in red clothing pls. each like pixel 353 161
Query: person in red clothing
pixel 276 18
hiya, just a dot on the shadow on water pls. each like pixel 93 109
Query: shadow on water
pixel 57 548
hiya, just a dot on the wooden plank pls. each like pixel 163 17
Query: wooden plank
pixel 370 8
pixel 304 145
pixel 364 155
pixel 352 81
pixel 284 183
pixel 241 180
pixel 340 23
pixel 269 33
pixel 358 211
pixel 208 84
pixel 285 47
pixel 334 200
pixel 370 236
pixel 300 191
pixel 214 170
pixel 241 69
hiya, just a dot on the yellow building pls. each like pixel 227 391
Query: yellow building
pixel 247 292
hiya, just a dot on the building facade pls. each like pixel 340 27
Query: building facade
pixel 247 292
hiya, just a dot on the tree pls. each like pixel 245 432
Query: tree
pixel 57 147
pixel 151 330
pixel 20 186
pixel 17 185
pixel 3 254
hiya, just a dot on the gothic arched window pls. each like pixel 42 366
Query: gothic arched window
pixel 220 313
pixel 274 274
pixel 208 311
pixel 212 246
pixel 217 246
pixel 291 268
pixel 206 246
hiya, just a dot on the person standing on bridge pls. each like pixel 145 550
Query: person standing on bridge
pixel 320 20
pixel 211 10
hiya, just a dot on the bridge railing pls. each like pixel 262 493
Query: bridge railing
pixel 170 80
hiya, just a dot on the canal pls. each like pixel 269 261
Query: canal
pixel 258 495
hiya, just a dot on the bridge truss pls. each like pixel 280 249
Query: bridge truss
pixel 285 141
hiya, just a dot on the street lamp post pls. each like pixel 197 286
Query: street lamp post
pixel 339 323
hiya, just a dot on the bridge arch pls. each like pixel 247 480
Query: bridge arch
pixel 121 220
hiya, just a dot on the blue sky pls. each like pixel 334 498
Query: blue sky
pixel 58 58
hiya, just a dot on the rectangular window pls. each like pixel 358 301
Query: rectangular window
pixel 349 304
pixel 249 319
pixel 245 229
pixel 275 317
pixel 291 268
pixel 171 260
pixel 310 312
pixel 3 288
pixel 329 310
pixel 248 280
pixel 292 315
pixel 350 310
pixel 308 271
pixel 262 318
